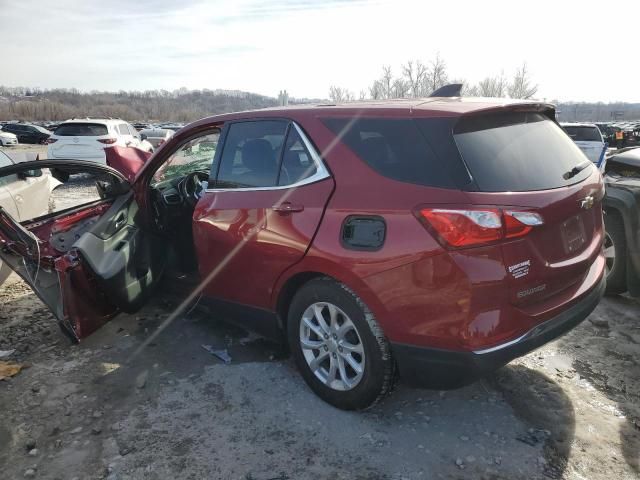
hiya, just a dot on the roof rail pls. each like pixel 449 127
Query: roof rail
pixel 451 90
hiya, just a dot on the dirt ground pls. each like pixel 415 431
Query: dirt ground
pixel 107 408
pixel 99 410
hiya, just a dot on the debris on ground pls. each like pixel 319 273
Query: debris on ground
pixel 221 354
pixel 6 353
pixel 9 369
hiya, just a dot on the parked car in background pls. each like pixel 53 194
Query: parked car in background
pixel 588 138
pixel 486 244
pixel 622 221
pixel 86 139
pixel 27 133
pixel 24 195
pixel 157 136
pixel 7 139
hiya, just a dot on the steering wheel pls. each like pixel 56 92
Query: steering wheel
pixel 192 187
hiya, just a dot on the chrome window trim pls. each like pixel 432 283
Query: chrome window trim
pixel 321 170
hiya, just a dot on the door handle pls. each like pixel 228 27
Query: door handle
pixel 288 207
pixel 120 220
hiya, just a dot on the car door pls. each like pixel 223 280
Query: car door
pixel 89 259
pixel 263 206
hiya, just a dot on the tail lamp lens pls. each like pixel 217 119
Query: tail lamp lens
pixel 49 141
pixel 108 141
pixel 473 227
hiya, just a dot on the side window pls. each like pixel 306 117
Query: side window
pixel 194 155
pixel 123 129
pixel 251 154
pixel 297 163
pixel 132 131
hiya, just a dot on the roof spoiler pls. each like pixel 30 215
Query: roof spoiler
pixel 451 90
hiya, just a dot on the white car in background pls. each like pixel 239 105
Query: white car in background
pixel 24 197
pixel 588 138
pixel 7 139
pixel 157 136
pixel 86 139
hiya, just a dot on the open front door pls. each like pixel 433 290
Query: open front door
pixel 89 257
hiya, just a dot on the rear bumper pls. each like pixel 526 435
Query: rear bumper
pixel 438 368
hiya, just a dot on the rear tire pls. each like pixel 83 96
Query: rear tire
pixel 615 246
pixel 352 364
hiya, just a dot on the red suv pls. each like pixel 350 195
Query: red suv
pixel 441 238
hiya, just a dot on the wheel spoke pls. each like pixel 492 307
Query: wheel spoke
pixel 317 311
pixel 352 362
pixel 314 328
pixel 332 370
pixel 311 344
pixel 315 363
pixel 333 314
pixel 350 347
pixel 343 372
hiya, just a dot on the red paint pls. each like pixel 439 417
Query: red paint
pixel 127 160
pixel 258 242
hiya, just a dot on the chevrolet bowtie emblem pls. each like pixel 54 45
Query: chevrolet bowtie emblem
pixel 587 202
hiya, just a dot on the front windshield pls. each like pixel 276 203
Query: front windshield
pixel 195 155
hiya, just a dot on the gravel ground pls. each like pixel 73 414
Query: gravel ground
pixel 97 410
pixel 105 409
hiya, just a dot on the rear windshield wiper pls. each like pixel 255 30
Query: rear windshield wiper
pixel 576 170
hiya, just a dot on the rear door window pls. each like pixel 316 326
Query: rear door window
pixel 297 163
pixel 251 154
pixel 123 129
pixel 518 152
pixel 395 148
pixel 81 130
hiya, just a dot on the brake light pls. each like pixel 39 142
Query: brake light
pixel 108 141
pixel 459 228
pixel 49 141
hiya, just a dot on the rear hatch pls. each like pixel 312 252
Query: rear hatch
pixel 524 162
pixel 85 141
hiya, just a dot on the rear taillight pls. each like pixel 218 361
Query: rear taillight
pixel 459 228
pixel 108 141
pixel 49 141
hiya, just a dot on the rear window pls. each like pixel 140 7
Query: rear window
pixel 518 152
pixel 81 130
pixel 394 148
pixel 583 134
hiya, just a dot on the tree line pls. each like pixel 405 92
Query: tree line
pixel 417 79
pixel 182 105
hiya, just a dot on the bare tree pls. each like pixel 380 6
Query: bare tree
pixel 387 81
pixel 400 88
pixel 376 90
pixel 520 86
pixel 340 94
pixel 492 87
pixel 414 75
pixel 436 76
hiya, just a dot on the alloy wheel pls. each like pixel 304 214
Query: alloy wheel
pixel 332 346
pixel 609 252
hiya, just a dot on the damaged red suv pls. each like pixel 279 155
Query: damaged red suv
pixel 438 238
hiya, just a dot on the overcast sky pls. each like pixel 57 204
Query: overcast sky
pixel 575 50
